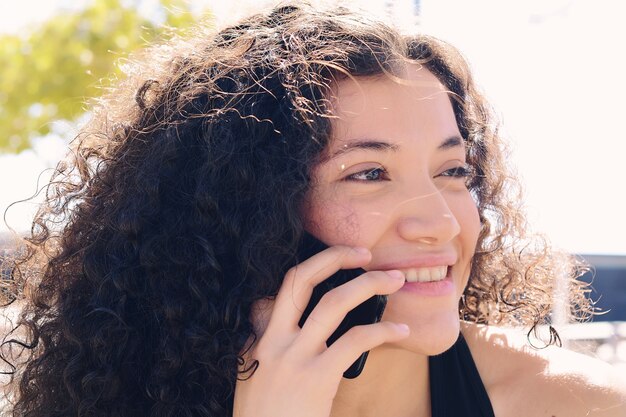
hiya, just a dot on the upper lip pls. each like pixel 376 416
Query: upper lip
pixel 421 261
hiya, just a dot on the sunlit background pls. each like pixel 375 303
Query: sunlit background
pixel 553 69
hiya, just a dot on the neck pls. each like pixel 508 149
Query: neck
pixel 394 382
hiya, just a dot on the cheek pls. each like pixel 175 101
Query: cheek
pixel 337 220
pixel 329 219
pixel 473 227
pixel 467 216
pixel 469 220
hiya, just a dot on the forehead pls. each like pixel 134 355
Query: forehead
pixel 410 80
pixel 411 99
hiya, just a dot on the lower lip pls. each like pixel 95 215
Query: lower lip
pixel 430 289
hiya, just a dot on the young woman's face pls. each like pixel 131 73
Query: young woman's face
pixel 393 181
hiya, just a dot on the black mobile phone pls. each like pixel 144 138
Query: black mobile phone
pixel 368 312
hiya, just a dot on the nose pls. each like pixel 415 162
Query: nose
pixel 427 218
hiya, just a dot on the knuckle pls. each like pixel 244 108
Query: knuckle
pixel 357 334
pixel 368 283
pixel 387 327
pixel 332 298
pixel 379 275
pixel 341 252
pixel 369 279
pixel 294 278
pixel 289 359
pixel 377 280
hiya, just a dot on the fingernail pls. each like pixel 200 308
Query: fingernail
pixel 361 249
pixel 403 328
pixel 395 274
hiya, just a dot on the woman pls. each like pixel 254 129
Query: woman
pixel 171 288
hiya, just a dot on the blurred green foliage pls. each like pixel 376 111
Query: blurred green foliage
pixel 49 73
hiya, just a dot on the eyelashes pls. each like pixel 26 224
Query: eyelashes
pixel 463 171
pixel 377 174
pixel 370 174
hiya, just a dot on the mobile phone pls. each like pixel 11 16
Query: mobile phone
pixel 368 312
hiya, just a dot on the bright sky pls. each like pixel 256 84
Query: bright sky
pixel 553 70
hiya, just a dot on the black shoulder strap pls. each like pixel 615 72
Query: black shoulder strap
pixel 455 385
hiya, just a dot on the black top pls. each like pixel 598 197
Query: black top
pixel 455 385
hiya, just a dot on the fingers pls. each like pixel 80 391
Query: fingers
pixel 341 354
pixel 298 284
pixel 283 341
pixel 335 304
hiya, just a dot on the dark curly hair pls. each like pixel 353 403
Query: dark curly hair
pixel 180 207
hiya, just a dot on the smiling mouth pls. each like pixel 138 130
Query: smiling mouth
pixel 430 274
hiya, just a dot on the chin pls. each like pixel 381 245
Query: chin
pixel 432 338
pixel 432 331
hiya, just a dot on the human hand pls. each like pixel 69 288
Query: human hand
pixel 298 375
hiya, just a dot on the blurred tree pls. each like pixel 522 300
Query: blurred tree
pixel 48 74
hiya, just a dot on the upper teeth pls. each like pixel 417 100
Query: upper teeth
pixel 436 273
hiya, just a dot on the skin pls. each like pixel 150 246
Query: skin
pixel 402 200
pixel 390 183
pixel 551 382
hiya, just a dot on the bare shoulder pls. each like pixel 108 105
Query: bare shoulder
pixel 552 382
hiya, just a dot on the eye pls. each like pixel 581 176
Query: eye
pixel 463 171
pixel 370 174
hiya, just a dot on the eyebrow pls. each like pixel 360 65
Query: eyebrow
pixel 369 144
pixel 451 142
pixel 378 145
